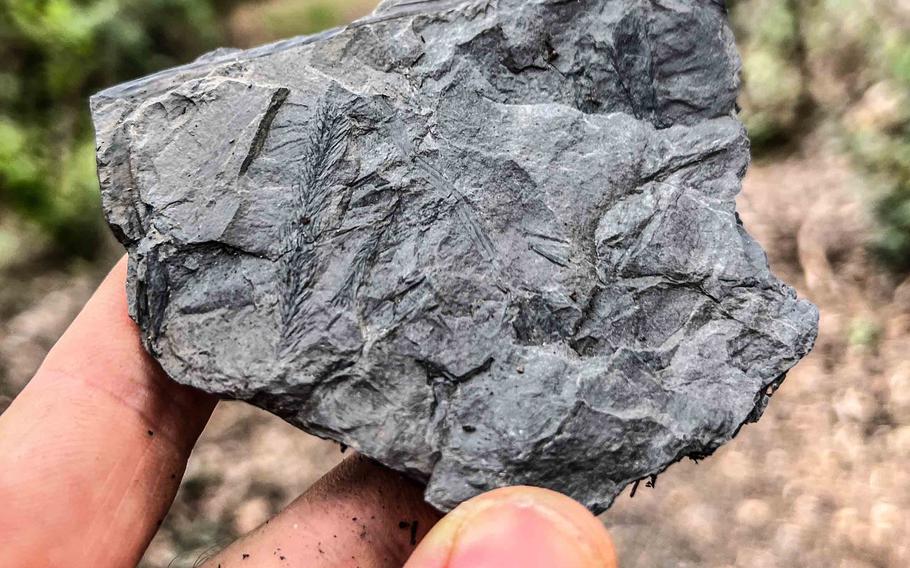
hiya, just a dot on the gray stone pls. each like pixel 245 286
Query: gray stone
pixel 484 242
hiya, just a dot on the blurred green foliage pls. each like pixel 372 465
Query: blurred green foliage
pixel 845 63
pixel 864 333
pixel 269 20
pixel 292 18
pixel 774 92
pixel 805 63
pixel 53 55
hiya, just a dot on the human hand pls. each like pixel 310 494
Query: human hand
pixel 93 449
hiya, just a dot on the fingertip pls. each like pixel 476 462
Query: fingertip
pixel 101 429
pixel 516 527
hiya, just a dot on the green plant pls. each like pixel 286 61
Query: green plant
pixel 56 53
pixel 845 63
pixel 774 96
pixel 864 333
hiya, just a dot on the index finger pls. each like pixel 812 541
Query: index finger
pixel 92 451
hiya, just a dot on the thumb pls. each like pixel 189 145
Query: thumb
pixel 517 527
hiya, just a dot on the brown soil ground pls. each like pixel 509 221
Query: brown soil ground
pixel 821 481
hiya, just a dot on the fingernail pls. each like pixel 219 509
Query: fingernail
pixel 517 527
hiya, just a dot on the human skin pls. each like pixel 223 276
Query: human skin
pixel 93 449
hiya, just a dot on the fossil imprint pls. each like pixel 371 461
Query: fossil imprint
pixel 484 242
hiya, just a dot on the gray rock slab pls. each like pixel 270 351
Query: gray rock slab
pixel 483 242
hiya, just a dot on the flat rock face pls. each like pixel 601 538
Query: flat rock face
pixel 483 242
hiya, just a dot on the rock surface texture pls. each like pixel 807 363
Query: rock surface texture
pixel 484 242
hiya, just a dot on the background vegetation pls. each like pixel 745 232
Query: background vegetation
pixel 839 64
pixel 821 481
pixel 844 66
pixel 55 53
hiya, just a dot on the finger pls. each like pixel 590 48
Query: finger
pixel 92 451
pixel 360 514
pixel 519 527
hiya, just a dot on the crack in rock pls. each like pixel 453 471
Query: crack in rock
pixel 484 242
